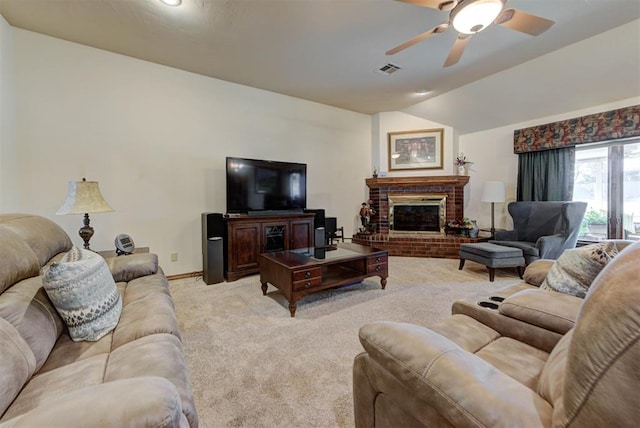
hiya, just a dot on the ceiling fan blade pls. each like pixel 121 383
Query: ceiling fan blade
pixel 417 39
pixel 434 4
pixel 523 22
pixel 457 49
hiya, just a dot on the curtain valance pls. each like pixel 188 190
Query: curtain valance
pixel 609 125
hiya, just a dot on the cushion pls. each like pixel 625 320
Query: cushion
pixel 576 268
pixel 18 259
pixel 45 237
pixel 84 293
pixel 17 363
pixel 550 310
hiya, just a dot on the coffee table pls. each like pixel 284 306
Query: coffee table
pixel 297 273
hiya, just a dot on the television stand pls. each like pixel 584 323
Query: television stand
pixel 273 213
pixel 246 237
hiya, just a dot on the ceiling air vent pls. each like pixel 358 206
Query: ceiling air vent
pixel 388 69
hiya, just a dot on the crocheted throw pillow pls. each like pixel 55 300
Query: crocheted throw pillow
pixel 84 293
pixel 576 268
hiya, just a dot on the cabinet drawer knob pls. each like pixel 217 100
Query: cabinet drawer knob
pixel 307 274
pixel 378 268
pixel 307 284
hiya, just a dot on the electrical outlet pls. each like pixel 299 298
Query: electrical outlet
pixel 174 257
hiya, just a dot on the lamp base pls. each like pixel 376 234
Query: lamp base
pixel 493 229
pixel 86 231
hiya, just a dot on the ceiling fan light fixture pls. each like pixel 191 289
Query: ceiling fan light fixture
pixel 473 16
pixel 172 2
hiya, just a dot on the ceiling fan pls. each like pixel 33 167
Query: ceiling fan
pixel 469 17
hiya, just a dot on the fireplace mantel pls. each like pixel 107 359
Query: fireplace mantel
pixel 414 244
pixel 435 180
pixel 380 188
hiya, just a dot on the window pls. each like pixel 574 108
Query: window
pixel 607 177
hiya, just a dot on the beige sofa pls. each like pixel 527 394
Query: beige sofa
pixel 133 376
pixel 540 359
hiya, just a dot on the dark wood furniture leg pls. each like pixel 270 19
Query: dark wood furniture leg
pixel 461 264
pixel 383 281
pixel 264 287
pixel 492 273
pixel 520 271
pixel 292 309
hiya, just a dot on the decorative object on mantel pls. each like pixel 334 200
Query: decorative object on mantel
pixel 473 233
pixel 493 192
pixel 375 172
pixel 462 164
pixel 459 227
pixel 420 149
pixel 84 197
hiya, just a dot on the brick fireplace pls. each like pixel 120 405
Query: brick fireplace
pixel 416 191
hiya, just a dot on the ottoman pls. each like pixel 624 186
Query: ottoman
pixel 492 256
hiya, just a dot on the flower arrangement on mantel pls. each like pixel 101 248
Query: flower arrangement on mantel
pixel 462 164
pixel 459 227
pixel 461 160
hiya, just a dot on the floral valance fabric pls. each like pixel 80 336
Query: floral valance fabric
pixel 610 125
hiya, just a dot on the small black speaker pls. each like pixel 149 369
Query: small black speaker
pixel 319 238
pixel 213 235
pixel 318 221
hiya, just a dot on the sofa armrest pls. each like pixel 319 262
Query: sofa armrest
pixel 132 266
pixel 543 308
pixel 460 386
pixel 551 246
pixel 140 402
pixel 537 271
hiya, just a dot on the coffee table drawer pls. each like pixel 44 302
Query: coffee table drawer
pixel 307 274
pixel 307 284
pixel 377 264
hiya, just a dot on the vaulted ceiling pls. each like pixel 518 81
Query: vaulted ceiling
pixel 330 51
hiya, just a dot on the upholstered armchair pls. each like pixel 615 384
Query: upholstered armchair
pixel 542 230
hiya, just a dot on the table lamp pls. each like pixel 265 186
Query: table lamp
pixel 84 197
pixel 493 192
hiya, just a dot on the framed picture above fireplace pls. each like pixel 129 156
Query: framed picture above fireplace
pixel 421 149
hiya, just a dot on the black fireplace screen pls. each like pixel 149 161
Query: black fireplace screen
pixel 416 218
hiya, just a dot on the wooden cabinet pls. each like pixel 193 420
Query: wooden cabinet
pixel 246 237
pixel 301 233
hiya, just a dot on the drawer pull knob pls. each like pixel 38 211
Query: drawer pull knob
pixel 378 268
pixel 307 285
pixel 307 274
pixel 378 260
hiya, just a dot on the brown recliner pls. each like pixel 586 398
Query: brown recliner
pixel 461 372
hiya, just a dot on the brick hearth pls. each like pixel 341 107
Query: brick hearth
pixel 415 244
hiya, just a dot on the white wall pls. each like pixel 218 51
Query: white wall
pixel 156 139
pixel 494 160
pixel 7 137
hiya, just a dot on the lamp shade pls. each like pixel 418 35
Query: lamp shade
pixel 493 191
pixel 84 197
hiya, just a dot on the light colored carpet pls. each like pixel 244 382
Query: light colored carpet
pixel 252 365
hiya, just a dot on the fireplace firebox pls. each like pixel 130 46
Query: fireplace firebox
pixel 421 213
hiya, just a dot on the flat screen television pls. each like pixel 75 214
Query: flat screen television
pixel 255 185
